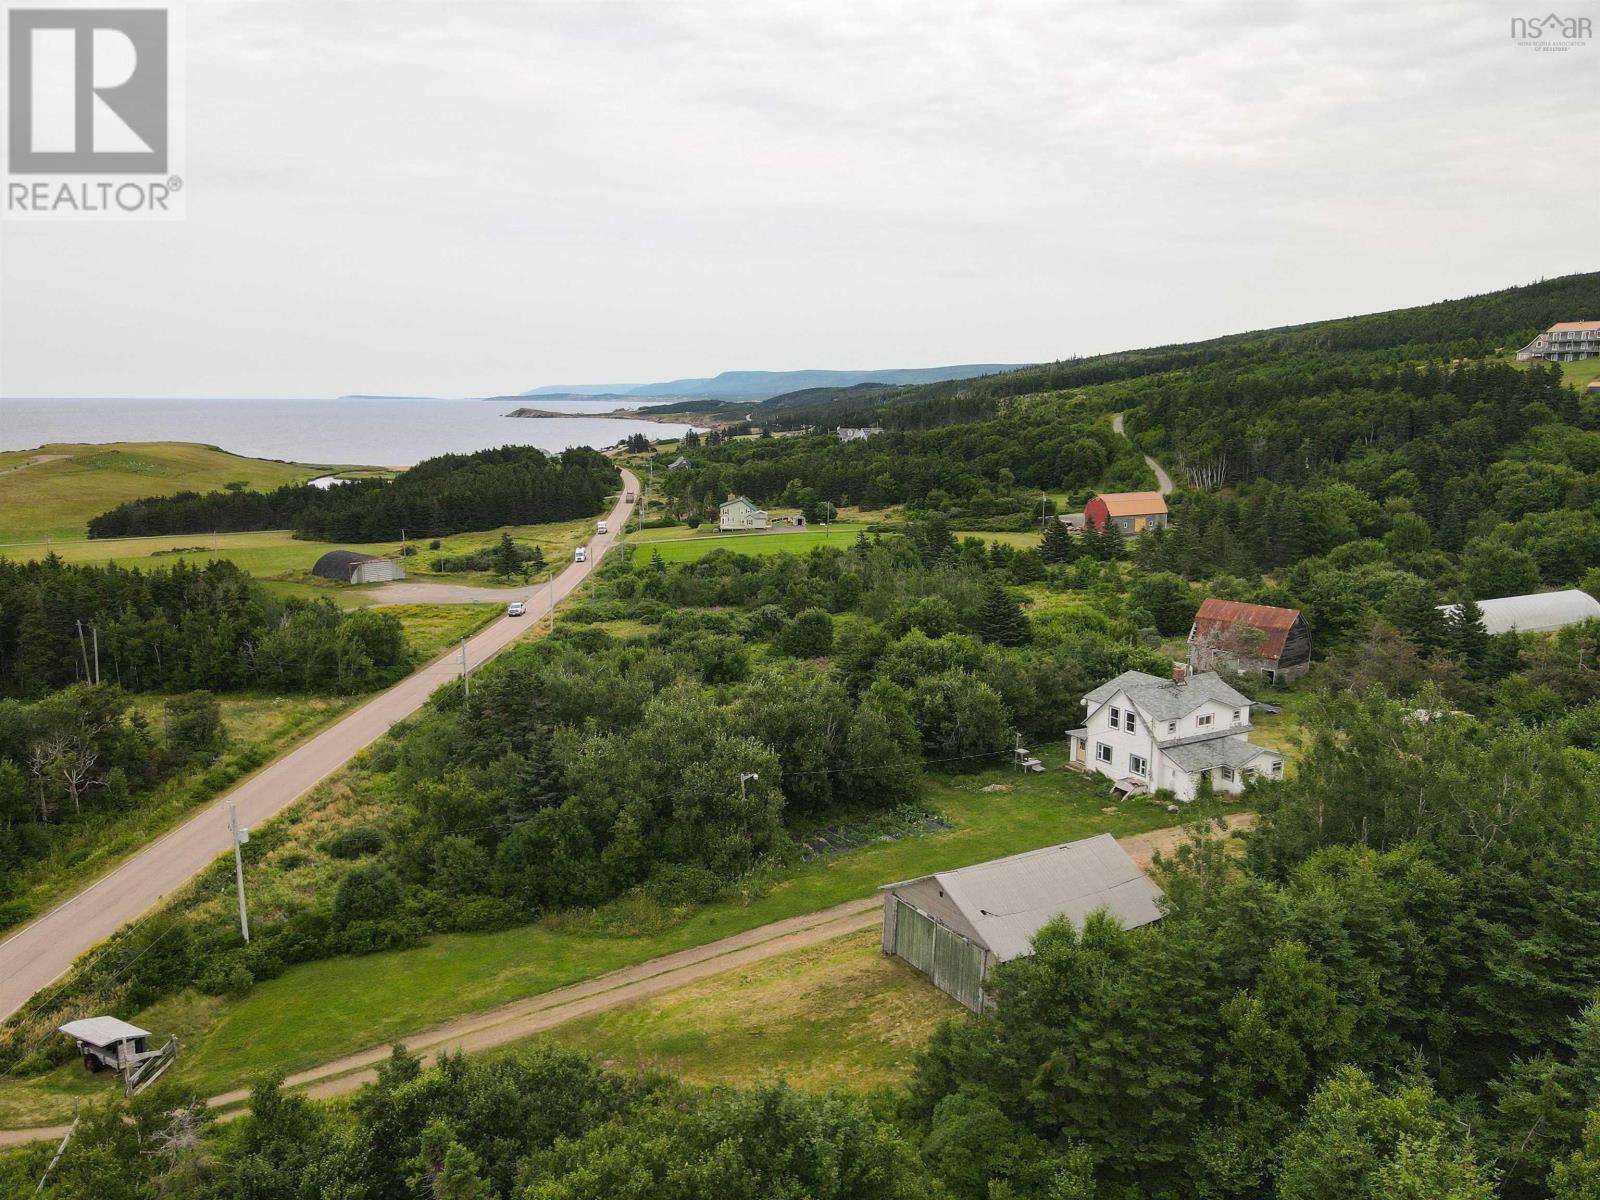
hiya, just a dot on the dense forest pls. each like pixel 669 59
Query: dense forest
pixel 453 493
pixel 181 628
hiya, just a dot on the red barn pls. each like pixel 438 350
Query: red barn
pixel 1231 636
pixel 1133 512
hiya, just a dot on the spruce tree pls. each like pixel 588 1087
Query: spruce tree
pixel 1467 637
pixel 1056 544
pixel 1001 619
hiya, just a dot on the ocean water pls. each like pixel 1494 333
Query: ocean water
pixel 366 431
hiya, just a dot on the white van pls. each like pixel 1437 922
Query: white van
pixel 581 554
pixel 600 528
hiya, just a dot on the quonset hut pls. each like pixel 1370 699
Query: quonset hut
pixel 350 566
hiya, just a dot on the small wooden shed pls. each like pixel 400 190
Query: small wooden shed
pixel 109 1043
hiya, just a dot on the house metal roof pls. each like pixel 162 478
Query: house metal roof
pixel 1536 612
pixel 1165 699
pixel 742 500
pixel 1132 504
pixel 102 1031
pixel 1007 900
pixel 1228 624
pixel 1573 326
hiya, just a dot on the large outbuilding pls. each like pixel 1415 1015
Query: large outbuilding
pixel 955 925
pixel 1535 613
pixel 350 566
pixel 1234 638
pixel 1130 512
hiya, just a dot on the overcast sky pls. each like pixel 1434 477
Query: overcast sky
pixel 460 198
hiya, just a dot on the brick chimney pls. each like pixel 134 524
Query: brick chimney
pixel 1180 672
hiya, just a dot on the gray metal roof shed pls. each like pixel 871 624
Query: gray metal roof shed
pixel 1004 903
pixel 336 564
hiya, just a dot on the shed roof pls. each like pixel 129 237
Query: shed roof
pixel 1132 504
pixel 1228 622
pixel 1007 900
pixel 1535 612
pixel 1166 699
pixel 336 564
pixel 102 1031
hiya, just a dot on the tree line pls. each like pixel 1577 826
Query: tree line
pixel 452 493
pixel 182 628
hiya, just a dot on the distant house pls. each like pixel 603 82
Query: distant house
pixel 678 463
pixel 1565 341
pixel 348 566
pixel 741 513
pixel 1535 613
pixel 1230 637
pixel 1593 389
pixel 849 433
pixel 1132 512
pixel 1146 733
pixel 955 925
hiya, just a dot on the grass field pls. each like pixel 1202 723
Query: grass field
pixel 1581 373
pixel 316 1012
pixel 682 548
pixel 837 1015
pixel 52 491
pixel 284 562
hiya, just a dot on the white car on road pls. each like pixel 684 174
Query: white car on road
pixel 581 554
pixel 516 608
pixel 600 528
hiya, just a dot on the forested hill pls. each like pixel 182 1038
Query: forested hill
pixel 453 493
pixel 1473 327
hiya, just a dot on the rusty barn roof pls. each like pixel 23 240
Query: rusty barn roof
pixel 1226 620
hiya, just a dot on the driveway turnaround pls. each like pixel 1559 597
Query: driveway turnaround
pixel 43 950
pixel 523 1018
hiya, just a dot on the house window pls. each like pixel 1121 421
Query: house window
pixel 1139 766
pixel 1127 720
pixel 1102 752
pixel 1277 769
pixel 1204 722
pixel 1227 774
pixel 1116 717
pixel 1172 728
pixel 1236 716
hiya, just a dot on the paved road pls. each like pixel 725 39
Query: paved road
pixel 1163 480
pixel 39 953
pixel 522 1018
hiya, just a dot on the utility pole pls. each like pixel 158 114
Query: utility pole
pixel 466 678
pixel 95 629
pixel 1044 501
pixel 239 835
pixel 83 650
pixel 742 779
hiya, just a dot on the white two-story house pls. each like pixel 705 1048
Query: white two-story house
pixel 1146 733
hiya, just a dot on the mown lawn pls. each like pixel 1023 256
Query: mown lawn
pixel 316 1012
pixel 835 1015
pixel 60 486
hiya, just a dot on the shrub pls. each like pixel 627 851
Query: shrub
pixel 368 893
pixel 677 884
pixel 357 842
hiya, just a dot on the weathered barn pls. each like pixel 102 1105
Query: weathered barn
pixel 954 926
pixel 1231 637
pixel 1131 512
pixel 350 566
pixel 1534 613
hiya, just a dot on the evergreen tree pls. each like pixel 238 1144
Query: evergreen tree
pixel 505 557
pixel 1467 637
pixel 1056 544
pixel 1001 619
